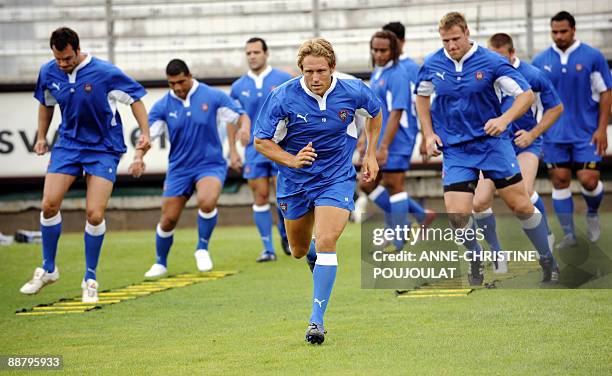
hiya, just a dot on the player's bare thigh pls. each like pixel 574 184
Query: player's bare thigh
pixel 261 190
pixel 330 221
pixel 516 198
pixel 484 194
pixel 98 193
pixel 56 186
pixel 299 233
pixel 208 191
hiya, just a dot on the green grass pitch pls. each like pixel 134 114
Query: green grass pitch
pixel 254 322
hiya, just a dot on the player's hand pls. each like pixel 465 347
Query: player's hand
pixel 137 168
pixel 600 140
pixel 369 168
pixel 41 147
pixel 431 145
pixel 304 157
pixel 423 151
pixel 243 136
pixel 495 127
pixel 144 143
pixel 382 154
pixel 235 161
pixel 523 138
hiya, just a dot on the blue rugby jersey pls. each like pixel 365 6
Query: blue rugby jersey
pixel 580 75
pixel 546 97
pixel 467 92
pixel 193 125
pixel 292 116
pixel 392 87
pixel 251 91
pixel 88 103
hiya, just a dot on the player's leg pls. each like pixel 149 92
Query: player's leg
pixel 208 192
pixel 262 216
pixel 171 210
pixel 280 224
pixel 330 221
pixel 55 188
pixel 393 181
pixel 485 218
pixel 299 233
pixel 588 175
pixel 514 194
pixel 558 160
pixel 99 190
pixel 529 162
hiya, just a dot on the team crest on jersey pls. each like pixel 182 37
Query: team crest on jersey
pixel 88 88
pixel 204 107
pixel 479 75
pixel 343 115
pixel 578 67
pixel 283 206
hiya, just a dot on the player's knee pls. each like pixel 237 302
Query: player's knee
pixel 458 220
pixel 298 251
pixel 521 207
pixel 589 183
pixel 261 199
pixel 49 208
pixel 326 242
pixel 481 205
pixel 207 206
pixel 168 224
pixel 95 216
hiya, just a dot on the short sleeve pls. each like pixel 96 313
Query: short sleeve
pixel 423 85
pixel 601 79
pixel 509 80
pixel 228 110
pixel 398 94
pixel 157 119
pixel 42 92
pixel 271 123
pixel 548 94
pixel 369 105
pixel 124 89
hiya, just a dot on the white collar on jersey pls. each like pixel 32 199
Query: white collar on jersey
pixel 322 101
pixel 565 55
pixel 404 56
pixel 517 62
pixel 187 101
pixel 459 64
pixel 82 64
pixel 259 78
pixel 378 69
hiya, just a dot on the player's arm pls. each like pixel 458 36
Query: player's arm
pixel 275 153
pixel 372 132
pixel 235 161
pixel 393 123
pixel 432 141
pixel 140 114
pixel 600 137
pixel 522 102
pixel 525 138
pixel 244 132
pixel 45 114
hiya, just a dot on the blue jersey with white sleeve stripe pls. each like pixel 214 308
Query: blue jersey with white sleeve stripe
pixel 193 125
pixel 546 97
pixel 250 91
pixel 88 98
pixel 580 75
pixel 292 116
pixel 392 87
pixel 467 92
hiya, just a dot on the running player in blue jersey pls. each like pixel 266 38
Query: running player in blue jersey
pixel 90 143
pixel 191 112
pixel 466 123
pixel 307 126
pixel 579 138
pixel 390 82
pixel 527 134
pixel 250 91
